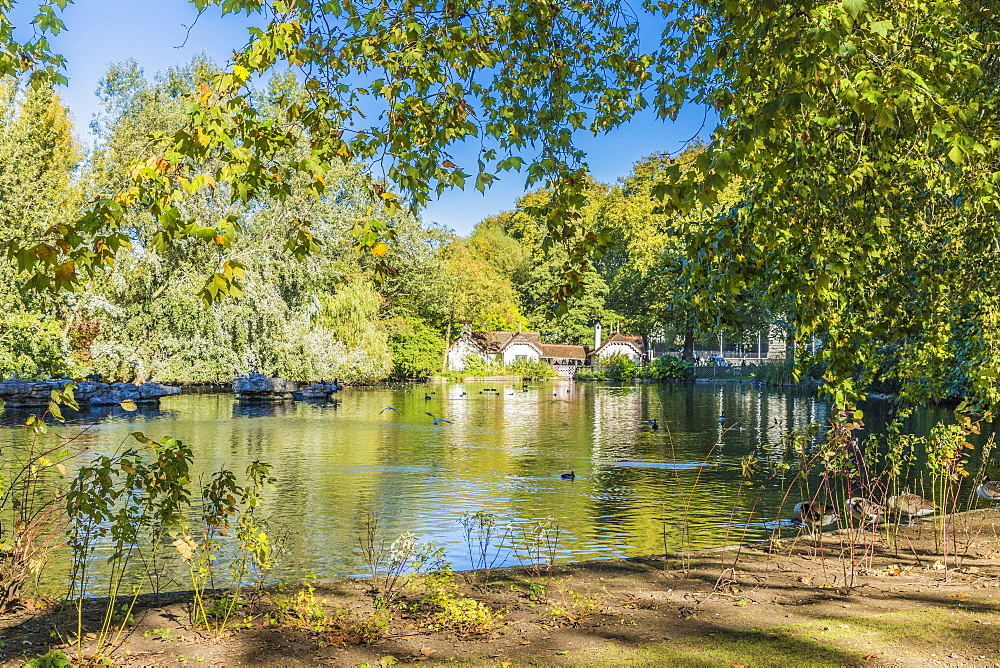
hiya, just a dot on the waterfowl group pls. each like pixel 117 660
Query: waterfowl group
pixel 868 512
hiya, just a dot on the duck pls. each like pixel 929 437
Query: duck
pixel 653 424
pixel 989 489
pixel 722 418
pixel 865 510
pixel 910 505
pixel 815 514
pixel 568 476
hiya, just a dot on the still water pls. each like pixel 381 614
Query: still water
pixel 635 488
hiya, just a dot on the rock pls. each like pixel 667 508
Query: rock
pixel 18 393
pixel 258 387
pixel 321 391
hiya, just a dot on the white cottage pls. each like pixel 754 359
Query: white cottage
pixel 508 347
pixel 632 347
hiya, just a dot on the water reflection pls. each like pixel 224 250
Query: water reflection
pixel 337 463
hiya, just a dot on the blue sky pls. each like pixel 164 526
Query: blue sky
pixel 153 32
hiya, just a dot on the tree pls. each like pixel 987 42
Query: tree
pixel 417 349
pixel 864 131
pixel 518 75
pixel 866 135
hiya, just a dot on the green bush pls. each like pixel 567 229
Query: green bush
pixel 417 349
pixel 620 367
pixel 531 369
pixel 32 348
pixel 776 372
pixel 588 373
pixel 668 366
pixel 477 366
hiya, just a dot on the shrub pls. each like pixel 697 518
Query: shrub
pixel 668 366
pixel 532 369
pixel 620 367
pixel 417 350
pixel 32 348
pixel 591 374
pixel 449 610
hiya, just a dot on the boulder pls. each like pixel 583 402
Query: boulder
pixel 320 391
pixel 258 387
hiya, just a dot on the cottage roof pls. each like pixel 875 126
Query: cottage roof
pixel 559 351
pixel 634 341
pixel 533 339
pixel 494 342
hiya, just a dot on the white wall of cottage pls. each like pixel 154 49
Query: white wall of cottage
pixel 512 352
pixel 617 348
pixel 460 352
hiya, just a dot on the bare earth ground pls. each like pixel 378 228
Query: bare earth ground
pixel 794 603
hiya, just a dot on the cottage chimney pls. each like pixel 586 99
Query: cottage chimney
pixel 465 328
pixel 597 335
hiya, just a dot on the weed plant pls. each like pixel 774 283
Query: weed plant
pixel 32 501
pixel 447 609
pixel 486 542
pixel 392 565
pixel 536 544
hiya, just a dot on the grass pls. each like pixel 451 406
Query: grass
pixel 912 634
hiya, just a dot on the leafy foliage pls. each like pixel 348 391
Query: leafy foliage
pixel 668 366
pixel 32 348
pixel 417 350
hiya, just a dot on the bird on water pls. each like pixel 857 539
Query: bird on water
pixel 653 424
pixel 910 505
pixel 568 476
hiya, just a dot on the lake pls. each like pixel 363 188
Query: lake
pixel 636 490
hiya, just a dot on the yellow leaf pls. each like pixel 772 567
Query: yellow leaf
pixel 128 405
pixel 186 546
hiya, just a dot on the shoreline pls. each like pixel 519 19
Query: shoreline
pixel 793 602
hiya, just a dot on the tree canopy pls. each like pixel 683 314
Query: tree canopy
pixel 860 136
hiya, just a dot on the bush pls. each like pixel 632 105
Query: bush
pixel 668 366
pixel 417 350
pixel 32 348
pixel 620 367
pixel 589 373
pixel 531 369
pixel 775 372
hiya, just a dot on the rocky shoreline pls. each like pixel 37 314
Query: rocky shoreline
pixel 30 394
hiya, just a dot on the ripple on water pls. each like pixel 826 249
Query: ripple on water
pixel 670 466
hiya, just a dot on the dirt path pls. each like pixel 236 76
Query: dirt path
pixel 796 603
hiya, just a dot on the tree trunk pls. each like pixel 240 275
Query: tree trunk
pixel 447 342
pixel 689 344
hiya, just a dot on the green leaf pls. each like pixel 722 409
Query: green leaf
pixel 855 7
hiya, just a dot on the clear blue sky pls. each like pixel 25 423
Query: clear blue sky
pixel 100 32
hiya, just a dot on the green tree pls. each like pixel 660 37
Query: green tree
pixel 866 133
pixel 417 349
